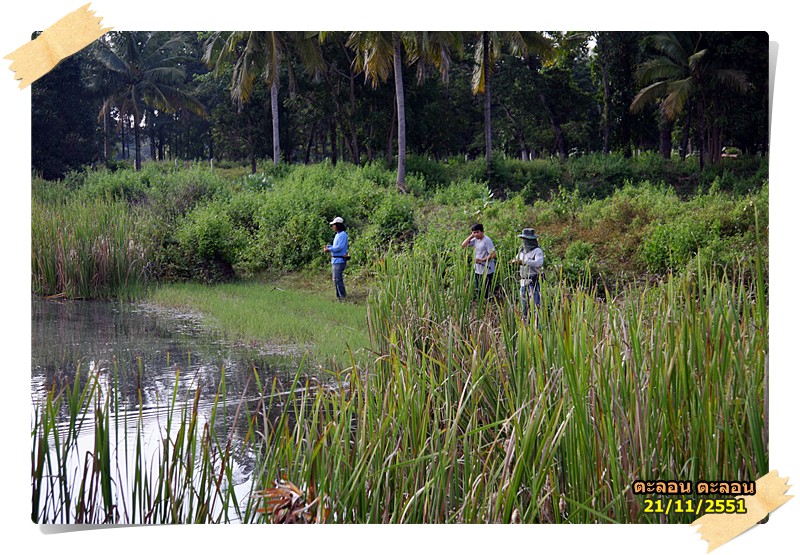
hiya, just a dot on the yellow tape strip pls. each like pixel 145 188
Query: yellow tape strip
pixel 718 529
pixel 64 38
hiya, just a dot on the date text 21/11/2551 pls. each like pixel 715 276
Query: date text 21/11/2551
pixel 698 507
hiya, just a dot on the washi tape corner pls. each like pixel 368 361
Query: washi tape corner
pixel 770 494
pixel 67 36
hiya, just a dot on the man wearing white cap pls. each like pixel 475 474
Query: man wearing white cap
pixel 339 256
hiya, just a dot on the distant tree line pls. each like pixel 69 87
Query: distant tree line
pixel 302 97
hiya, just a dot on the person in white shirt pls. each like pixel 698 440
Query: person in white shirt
pixel 530 260
pixel 485 256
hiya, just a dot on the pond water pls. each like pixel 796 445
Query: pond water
pixel 144 355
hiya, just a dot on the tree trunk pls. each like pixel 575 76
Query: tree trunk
pixel 519 133
pixel 401 114
pixel 310 142
pixel 487 104
pixel 106 135
pixel 161 155
pixel 276 141
pixel 151 131
pixel 606 112
pixel 123 125
pixel 334 145
pixel 701 132
pixel 555 122
pixel 715 137
pixel 665 136
pixel 251 147
pixel 137 162
pixel 353 131
pixel 370 140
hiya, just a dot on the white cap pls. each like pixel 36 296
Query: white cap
pixel 337 220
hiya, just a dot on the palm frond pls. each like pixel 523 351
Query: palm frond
pixel 658 69
pixel 732 79
pixel 696 60
pixel 675 46
pixel 678 94
pixel 374 54
pixel 648 95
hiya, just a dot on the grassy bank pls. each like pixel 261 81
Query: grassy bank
pixel 293 314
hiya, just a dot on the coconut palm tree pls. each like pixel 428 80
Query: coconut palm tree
pixel 141 72
pixel 260 55
pixel 684 74
pixel 488 49
pixel 379 54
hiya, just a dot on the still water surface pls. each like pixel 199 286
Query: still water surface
pixel 141 355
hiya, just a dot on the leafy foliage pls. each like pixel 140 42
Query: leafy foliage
pixel 207 227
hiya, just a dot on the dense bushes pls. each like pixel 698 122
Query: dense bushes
pixel 644 229
pixel 196 224
pixel 594 176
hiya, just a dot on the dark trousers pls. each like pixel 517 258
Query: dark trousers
pixel 483 284
pixel 338 280
pixel 530 293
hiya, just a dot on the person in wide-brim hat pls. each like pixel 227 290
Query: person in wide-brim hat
pixel 530 260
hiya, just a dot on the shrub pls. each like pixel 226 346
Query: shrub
pixel 672 245
pixel 464 192
pixel 175 194
pixel 258 182
pixel 124 185
pixel 434 173
pixel 392 224
pixel 579 263
pixel 208 244
pixel 394 218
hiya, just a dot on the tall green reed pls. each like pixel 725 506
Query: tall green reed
pixel 660 382
pixel 118 477
pixel 87 249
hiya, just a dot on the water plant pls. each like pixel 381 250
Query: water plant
pixel 87 249
pixel 93 462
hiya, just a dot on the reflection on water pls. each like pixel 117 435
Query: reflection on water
pixel 143 357
pixel 143 348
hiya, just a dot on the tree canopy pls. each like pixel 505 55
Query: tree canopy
pixel 303 97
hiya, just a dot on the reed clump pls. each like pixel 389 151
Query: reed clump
pixel 87 249
pixel 470 415
pixel 93 462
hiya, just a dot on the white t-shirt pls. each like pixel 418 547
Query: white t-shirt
pixel 483 248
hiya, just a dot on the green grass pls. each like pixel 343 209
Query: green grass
pixel 292 314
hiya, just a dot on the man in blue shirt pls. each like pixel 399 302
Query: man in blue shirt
pixel 339 256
